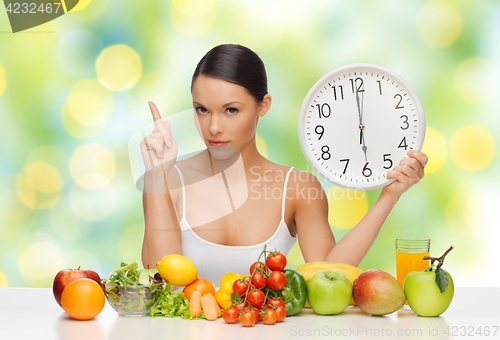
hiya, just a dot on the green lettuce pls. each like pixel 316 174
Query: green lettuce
pixel 174 303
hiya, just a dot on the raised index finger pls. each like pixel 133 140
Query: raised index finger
pixel 155 112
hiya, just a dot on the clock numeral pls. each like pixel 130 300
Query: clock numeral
pixel 386 159
pixel 322 130
pixel 403 144
pixel 379 87
pixel 335 92
pixel 346 164
pixel 322 111
pixel 367 172
pixel 405 121
pixel 325 152
pixel 359 87
pixel 400 99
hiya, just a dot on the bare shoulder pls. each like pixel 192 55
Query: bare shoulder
pixel 305 180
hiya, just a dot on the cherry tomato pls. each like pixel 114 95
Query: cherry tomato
pixel 270 317
pixel 276 262
pixel 259 281
pixel 248 319
pixel 259 265
pixel 241 305
pixel 239 287
pixel 277 280
pixel 256 311
pixel 231 315
pixel 281 312
pixel 276 302
pixel 256 298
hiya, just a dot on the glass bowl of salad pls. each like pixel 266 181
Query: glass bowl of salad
pixel 133 292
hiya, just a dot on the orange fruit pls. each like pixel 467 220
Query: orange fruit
pixel 202 285
pixel 83 299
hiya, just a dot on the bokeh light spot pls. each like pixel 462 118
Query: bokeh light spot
pixel 43 177
pixel 261 145
pixel 26 192
pixel 438 24
pixel 82 4
pixel 100 98
pixel 435 148
pixel 346 207
pixel 87 108
pixel 39 262
pixel 92 166
pixel 118 67
pixel 192 18
pixel 76 129
pixel 54 156
pixel 3 280
pixel 476 80
pixel 130 243
pixel 3 80
pixel 39 186
pixel 472 147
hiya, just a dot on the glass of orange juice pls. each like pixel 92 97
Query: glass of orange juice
pixel 409 254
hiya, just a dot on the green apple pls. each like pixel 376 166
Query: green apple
pixel 329 292
pixel 423 294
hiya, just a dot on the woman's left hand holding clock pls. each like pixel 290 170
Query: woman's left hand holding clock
pixel 409 172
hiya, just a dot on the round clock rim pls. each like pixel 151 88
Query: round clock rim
pixel 307 101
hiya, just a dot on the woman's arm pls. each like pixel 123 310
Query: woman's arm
pixel 316 239
pixel 162 235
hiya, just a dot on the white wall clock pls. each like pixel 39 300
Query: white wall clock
pixel 357 122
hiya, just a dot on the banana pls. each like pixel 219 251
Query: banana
pixel 326 266
pixel 308 270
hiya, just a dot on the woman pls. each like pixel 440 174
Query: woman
pixel 229 89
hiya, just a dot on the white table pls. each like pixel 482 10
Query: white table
pixel 32 313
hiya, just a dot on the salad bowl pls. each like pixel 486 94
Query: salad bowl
pixel 133 292
pixel 133 300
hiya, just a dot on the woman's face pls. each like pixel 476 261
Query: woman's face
pixel 226 112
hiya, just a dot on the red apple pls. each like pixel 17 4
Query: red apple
pixel 377 292
pixel 66 276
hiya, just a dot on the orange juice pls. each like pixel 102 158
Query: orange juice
pixel 407 262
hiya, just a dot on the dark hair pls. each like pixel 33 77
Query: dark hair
pixel 236 64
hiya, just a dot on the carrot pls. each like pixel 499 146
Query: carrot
pixel 219 312
pixel 210 306
pixel 195 304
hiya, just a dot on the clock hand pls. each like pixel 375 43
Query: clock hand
pixel 361 127
pixel 359 110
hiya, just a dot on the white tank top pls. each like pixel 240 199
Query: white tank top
pixel 214 260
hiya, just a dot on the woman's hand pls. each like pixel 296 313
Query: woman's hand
pixel 409 171
pixel 159 147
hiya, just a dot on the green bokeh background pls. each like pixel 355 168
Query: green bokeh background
pixel 52 218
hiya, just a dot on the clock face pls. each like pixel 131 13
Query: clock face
pixel 357 122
